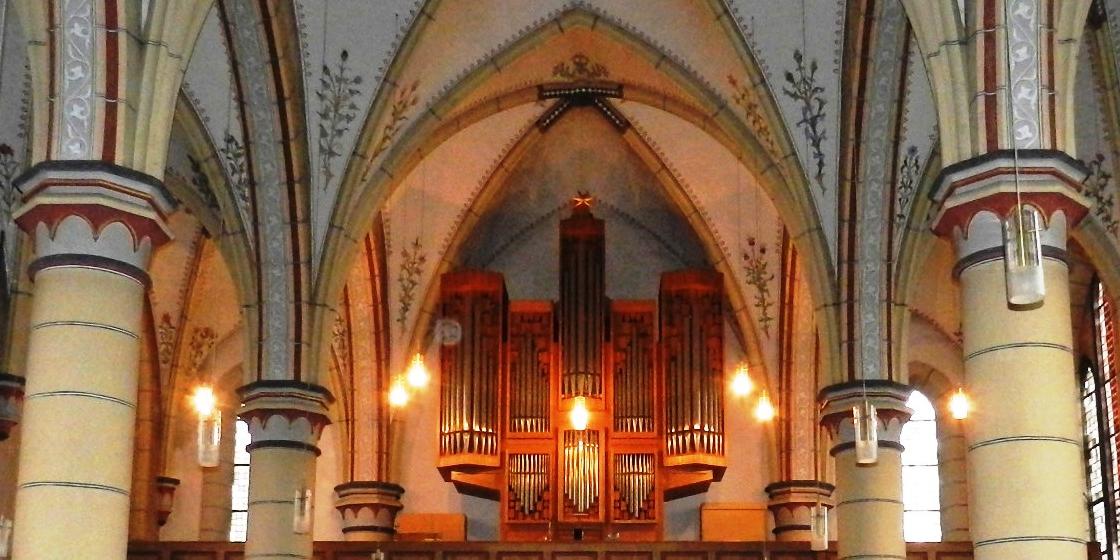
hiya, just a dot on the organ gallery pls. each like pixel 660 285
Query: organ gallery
pixel 559 279
pixel 648 375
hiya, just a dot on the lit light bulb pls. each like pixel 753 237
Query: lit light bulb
pixel 579 415
pixel 959 405
pixel 764 410
pixel 417 375
pixel 741 384
pixel 398 395
pixel 204 401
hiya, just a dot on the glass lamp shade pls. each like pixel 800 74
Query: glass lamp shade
pixel 5 537
pixel 1022 241
pixel 301 512
pixel 867 433
pixel 210 439
pixel 818 526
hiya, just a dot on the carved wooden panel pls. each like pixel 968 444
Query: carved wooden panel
pixel 530 365
pixel 469 388
pixel 632 345
pixel 691 310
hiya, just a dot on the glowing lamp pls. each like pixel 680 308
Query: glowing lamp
pixel 764 410
pixel 417 374
pixel 209 426
pixel 579 416
pixel 741 384
pixel 959 405
pixel 398 395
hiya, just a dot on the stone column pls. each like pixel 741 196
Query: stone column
pixel 869 497
pixel 1026 473
pixel 94 227
pixel 285 421
pixel 369 509
pixel 952 453
pixel 791 503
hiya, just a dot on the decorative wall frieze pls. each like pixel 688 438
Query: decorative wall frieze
pixel 1023 20
pixel 756 264
pixel 580 67
pixel 802 86
pixel 166 333
pixel 413 259
pixel 78 53
pixel 337 94
pixel 1100 190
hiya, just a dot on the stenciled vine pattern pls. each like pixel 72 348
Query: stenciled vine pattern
pixel 10 166
pixel 747 97
pixel 337 111
pixel 757 266
pixel 1098 186
pixel 908 172
pixel 405 100
pixel 237 166
pixel 201 183
pixel 413 258
pixel 804 89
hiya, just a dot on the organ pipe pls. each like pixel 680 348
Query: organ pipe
pixel 583 303
pixel 471 369
pixel 691 328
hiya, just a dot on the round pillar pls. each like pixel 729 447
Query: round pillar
pixel 1026 473
pixel 285 421
pixel 94 226
pixel 369 509
pixel 791 503
pixel 869 497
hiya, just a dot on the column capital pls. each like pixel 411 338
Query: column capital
pixel 285 413
pixel 1049 180
pixel 11 400
pixel 889 399
pixel 93 213
pixel 369 509
pixel 791 503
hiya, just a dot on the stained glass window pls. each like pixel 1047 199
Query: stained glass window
pixel 920 483
pixel 1099 406
pixel 239 516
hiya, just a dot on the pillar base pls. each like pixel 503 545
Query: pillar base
pixel 11 401
pixel 791 503
pixel 369 509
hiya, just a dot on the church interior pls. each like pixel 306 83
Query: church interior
pixel 559 279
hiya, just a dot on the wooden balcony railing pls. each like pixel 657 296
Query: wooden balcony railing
pixel 332 550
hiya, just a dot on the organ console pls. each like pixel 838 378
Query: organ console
pixel 650 372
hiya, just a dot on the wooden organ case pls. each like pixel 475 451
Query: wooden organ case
pixel 650 374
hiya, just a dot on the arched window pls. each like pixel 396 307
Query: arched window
pixel 1099 404
pixel 920 484
pixel 239 504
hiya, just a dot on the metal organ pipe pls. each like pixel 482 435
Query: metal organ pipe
pixel 583 303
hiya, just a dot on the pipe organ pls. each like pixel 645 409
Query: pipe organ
pixel 649 373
